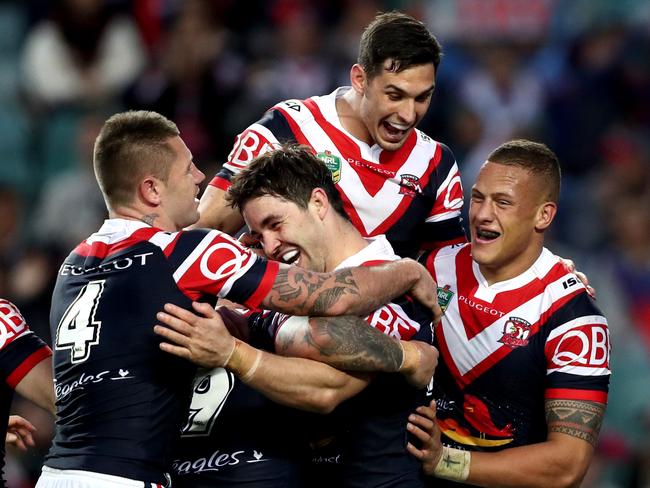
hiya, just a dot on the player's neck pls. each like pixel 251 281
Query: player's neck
pixel 499 273
pixel 347 109
pixel 345 241
pixel 148 216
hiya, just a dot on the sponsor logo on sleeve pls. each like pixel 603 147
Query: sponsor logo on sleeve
pixel 582 350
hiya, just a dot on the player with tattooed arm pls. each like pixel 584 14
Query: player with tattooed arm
pixel 293 210
pixel 121 401
pixel 522 383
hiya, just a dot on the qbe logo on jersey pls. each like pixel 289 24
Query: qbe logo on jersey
pixel 580 348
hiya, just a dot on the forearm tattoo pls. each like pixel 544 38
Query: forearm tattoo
pixel 347 343
pixel 581 419
pixel 299 291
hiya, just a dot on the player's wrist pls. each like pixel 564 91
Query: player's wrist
pixel 453 464
pixel 243 360
pixel 411 356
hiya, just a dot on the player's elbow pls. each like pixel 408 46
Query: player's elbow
pixel 572 472
pixel 325 401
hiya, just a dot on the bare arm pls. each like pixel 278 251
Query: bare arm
pixel 350 291
pixel 561 461
pixel 216 214
pixel 350 343
pixel 37 385
pixel 295 382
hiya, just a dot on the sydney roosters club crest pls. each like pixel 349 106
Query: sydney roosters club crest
pixel 409 185
pixel 515 332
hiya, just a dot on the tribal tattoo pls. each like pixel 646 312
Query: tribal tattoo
pixel 581 419
pixel 347 343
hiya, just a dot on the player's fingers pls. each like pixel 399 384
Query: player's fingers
pixel 420 430
pixel 205 309
pixel 172 335
pixel 179 325
pixel 25 436
pixel 421 421
pixel 18 422
pixel 414 451
pixel 15 440
pixel 185 315
pixel 181 352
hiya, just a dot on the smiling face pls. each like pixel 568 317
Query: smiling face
pixel 180 202
pixel 288 233
pixel 393 103
pixel 508 214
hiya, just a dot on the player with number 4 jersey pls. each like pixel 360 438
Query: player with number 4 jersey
pixel 121 401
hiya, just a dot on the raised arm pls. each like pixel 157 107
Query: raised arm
pixel 561 461
pixel 350 291
pixel 216 214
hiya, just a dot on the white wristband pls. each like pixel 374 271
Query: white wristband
pixel 453 464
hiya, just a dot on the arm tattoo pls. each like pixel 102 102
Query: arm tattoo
pixel 577 418
pixel 347 343
pixel 299 291
pixel 149 219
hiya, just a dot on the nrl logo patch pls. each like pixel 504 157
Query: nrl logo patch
pixel 409 185
pixel 515 332
pixel 444 297
pixel 333 163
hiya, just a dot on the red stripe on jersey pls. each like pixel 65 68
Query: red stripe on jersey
pixel 219 182
pixel 101 250
pixel 406 201
pixel 26 366
pixel 374 262
pixel 340 139
pixel 570 394
pixel 255 300
pixel 504 350
pixel 170 247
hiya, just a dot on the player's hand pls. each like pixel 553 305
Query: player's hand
pixel 425 291
pixel 204 340
pixel 419 363
pixel 581 276
pixel 20 433
pixel 424 427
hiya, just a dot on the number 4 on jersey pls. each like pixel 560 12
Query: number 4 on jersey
pixel 78 330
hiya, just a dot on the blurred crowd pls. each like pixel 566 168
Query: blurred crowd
pixel 574 74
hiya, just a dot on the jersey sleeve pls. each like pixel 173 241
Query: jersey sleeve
pixel 213 263
pixel 258 139
pixel 577 353
pixel 443 226
pixel 20 348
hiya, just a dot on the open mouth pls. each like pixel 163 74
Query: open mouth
pixel 395 131
pixel 289 257
pixel 487 235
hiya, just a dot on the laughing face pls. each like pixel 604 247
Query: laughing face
pixel 288 233
pixel 393 103
pixel 508 215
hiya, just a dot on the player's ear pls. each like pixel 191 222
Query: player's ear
pixel 149 191
pixel 358 79
pixel 545 215
pixel 319 202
